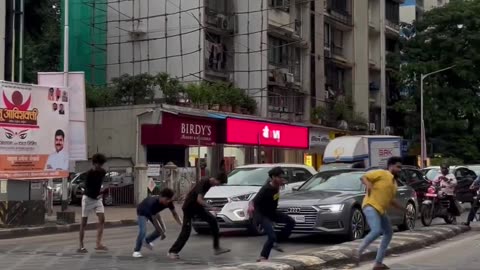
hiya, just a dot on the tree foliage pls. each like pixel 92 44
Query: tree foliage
pixel 42 37
pixel 446 36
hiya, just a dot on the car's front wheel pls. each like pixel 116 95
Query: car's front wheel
pixel 409 218
pixel 357 225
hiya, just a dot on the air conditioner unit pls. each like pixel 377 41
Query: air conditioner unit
pixel 138 29
pixel 371 127
pixel 289 78
pixel 222 22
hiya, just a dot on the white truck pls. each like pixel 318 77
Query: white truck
pixel 360 151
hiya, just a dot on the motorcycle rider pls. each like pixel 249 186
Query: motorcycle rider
pixel 447 183
pixel 475 205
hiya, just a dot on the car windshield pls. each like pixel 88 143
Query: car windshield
pixel 343 181
pixel 248 177
pixel 476 169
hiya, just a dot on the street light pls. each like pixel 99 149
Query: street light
pixel 423 140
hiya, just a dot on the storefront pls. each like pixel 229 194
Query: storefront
pixel 273 142
pixel 170 141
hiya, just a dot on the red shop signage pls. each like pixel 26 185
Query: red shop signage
pixel 247 132
pixel 180 130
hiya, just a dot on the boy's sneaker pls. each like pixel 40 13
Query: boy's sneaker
pixel 137 254
pixel 148 245
pixel 173 256
pixel 219 251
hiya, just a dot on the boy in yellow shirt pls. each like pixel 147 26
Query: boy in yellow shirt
pixel 381 189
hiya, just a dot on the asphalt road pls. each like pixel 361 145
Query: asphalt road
pixel 460 252
pixel 58 251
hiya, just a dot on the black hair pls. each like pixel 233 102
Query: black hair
pixel 444 166
pixel 60 132
pixel 394 160
pixel 99 159
pixel 167 193
pixel 222 177
pixel 277 171
pixel 358 165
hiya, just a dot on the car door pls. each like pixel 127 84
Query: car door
pixel 403 193
pixel 296 177
pixel 465 178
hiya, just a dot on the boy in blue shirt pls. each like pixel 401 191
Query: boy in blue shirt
pixel 149 209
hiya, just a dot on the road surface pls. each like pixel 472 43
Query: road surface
pixel 461 252
pixel 58 251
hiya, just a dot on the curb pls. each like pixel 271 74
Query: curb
pixel 54 229
pixel 341 255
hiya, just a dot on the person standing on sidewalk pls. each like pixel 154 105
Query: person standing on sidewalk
pixel 149 210
pixel 263 208
pixel 381 189
pixel 92 201
pixel 195 206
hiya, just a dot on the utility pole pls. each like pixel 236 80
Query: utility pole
pixel 383 81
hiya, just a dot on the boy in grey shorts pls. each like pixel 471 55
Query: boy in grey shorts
pixel 92 201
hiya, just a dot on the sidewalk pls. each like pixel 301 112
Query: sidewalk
pixel 115 216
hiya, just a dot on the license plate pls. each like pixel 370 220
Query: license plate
pixel 298 219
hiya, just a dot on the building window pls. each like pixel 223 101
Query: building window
pixel 280 4
pixel 280 53
pixel 392 11
pixel 337 38
pixel 326 35
pixel 216 6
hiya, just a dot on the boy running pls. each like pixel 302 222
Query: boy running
pixel 264 209
pixel 149 210
pixel 195 206
pixel 92 201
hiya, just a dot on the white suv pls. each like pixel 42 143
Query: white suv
pixel 229 203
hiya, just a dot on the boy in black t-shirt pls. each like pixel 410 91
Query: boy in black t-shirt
pixel 92 201
pixel 264 209
pixel 194 206
pixel 149 209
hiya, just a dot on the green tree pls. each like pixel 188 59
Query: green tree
pixel 446 36
pixel 42 44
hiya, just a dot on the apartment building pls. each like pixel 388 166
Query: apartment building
pixel 357 38
pixel 261 46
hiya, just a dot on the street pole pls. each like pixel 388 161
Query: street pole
pixel 423 139
pixel 383 80
pixel 65 84
pixel 20 43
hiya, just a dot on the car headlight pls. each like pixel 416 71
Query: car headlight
pixel 334 208
pixel 244 197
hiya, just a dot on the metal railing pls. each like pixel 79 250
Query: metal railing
pixel 337 14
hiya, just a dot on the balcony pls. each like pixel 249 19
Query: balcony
pixel 392 27
pixel 337 11
pixel 218 60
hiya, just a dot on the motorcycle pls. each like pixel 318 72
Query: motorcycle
pixel 436 205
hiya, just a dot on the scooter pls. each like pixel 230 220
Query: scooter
pixel 436 205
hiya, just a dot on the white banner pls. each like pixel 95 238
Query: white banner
pixel 78 118
pixel 33 131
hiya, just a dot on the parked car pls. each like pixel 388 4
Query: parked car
pixel 77 186
pixel 475 168
pixel 57 190
pixel 229 203
pixel 330 203
pixel 413 177
pixel 465 178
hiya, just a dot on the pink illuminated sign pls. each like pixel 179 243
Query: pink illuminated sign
pixel 248 132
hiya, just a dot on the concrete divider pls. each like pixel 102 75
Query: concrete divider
pixel 341 255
